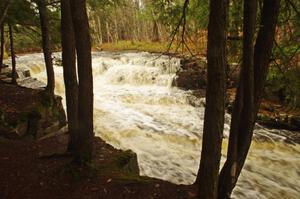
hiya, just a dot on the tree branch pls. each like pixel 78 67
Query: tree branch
pixel 4 11
pixel 294 7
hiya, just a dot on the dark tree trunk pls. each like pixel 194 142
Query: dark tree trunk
pixel 242 117
pixel 4 12
pixel 2 47
pixel 13 56
pixel 263 47
pixel 70 75
pixel 46 45
pixel 207 178
pixel 245 112
pixel 85 91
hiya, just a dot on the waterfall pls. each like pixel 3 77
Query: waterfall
pixel 137 108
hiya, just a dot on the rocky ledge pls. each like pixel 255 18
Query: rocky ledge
pixel 271 114
pixel 29 112
pixel 192 74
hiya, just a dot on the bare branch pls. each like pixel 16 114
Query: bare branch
pixel 182 21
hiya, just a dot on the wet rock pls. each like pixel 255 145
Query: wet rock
pixel 21 73
pixel 192 75
pixel 26 73
pixel 128 162
pixel 295 122
pixel 31 83
pixel 37 117
pixel 4 66
pixel 280 121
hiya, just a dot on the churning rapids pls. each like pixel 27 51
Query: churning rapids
pixel 137 108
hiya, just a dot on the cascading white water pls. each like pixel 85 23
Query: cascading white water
pixel 137 108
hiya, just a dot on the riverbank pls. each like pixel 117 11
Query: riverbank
pixel 154 47
pixel 37 169
pixel 29 112
pixel 273 114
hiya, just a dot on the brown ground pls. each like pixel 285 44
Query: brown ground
pixel 26 171
pixel 16 99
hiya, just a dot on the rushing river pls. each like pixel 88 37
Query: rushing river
pixel 137 108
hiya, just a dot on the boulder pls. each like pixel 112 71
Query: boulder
pixel 192 75
pixel 280 121
pixel 29 112
pixel 128 162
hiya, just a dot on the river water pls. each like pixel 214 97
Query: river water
pixel 137 108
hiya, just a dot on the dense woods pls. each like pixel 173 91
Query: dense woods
pixel 250 47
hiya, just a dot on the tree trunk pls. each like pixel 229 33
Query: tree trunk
pixel 2 47
pixel 13 56
pixel 207 178
pixel 107 32
pixel 85 91
pixel 155 34
pixel 235 26
pixel 241 134
pixel 46 45
pixel 99 28
pixel 242 117
pixel 116 26
pixel 263 47
pixel 70 75
pixel 4 12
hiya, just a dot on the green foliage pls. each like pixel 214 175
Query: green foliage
pixel 283 79
pixel 169 12
pixel 284 86
pixel 24 17
pixel 22 12
pixel 198 12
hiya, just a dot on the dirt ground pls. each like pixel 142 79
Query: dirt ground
pixel 28 169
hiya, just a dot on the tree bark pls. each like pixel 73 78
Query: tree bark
pixel 242 117
pixel 70 75
pixel 85 91
pixel 155 33
pixel 2 47
pixel 46 45
pixel 4 12
pixel 108 34
pixel 242 127
pixel 99 29
pixel 13 56
pixel 207 178
pixel 235 26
